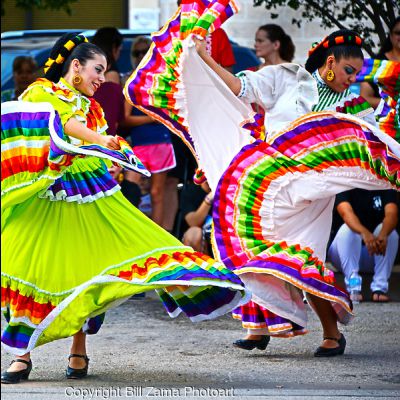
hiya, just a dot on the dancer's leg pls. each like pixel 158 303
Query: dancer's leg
pixel 256 334
pixel 78 347
pixel 328 319
pixel 18 366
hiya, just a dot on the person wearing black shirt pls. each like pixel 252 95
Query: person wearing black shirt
pixel 366 238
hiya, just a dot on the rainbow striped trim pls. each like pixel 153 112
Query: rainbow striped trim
pixel 254 316
pixel 315 143
pixel 36 154
pixel 386 74
pixel 383 72
pixel 186 281
pixel 357 106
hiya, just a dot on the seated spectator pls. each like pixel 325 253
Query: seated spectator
pixel 367 241
pixel 24 69
pixel 196 208
pixel 145 199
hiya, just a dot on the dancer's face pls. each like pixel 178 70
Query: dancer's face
pixel 345 70
pixel 92 74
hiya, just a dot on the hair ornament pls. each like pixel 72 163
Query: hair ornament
pixel 348 38
pixel 60 59
pixel 69 45
pixel 48 64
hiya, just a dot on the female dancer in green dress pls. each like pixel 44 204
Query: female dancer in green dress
pixel 73 246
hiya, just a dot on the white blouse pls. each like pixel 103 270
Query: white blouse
pixel 285 91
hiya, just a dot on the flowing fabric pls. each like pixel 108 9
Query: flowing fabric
pixel 386 74
pixel 273 208
pixel 73 246
pixel 32 136
pixel 155 87
pixel 273 199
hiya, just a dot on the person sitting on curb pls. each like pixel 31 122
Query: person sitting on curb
pixel 367 240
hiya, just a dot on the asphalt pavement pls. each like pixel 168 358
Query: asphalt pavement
pixel 142 353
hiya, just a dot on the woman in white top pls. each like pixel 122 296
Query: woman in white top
pixel 273 199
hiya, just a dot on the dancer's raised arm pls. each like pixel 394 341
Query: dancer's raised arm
pixel 231 80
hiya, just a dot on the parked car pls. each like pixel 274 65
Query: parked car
pixel 38 43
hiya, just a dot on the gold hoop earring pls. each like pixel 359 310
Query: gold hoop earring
pixel 330 76
pixel 77 79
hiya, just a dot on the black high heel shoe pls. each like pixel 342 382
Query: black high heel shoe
pixel 248 344
pixel 77 373
pixel 17 376
pixel 336 351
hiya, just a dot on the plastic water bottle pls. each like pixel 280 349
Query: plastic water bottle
pixel 354 287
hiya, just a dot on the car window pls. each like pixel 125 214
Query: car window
pixel 36 47
pixel 7 58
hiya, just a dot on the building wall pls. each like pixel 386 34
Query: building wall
pixel 14 18
pixel 89 14
pixel 242 27
pixel 86 14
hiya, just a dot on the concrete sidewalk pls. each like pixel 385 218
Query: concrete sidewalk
pixel 141 352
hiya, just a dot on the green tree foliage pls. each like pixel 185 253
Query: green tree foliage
pixel 370 18
pixel 41 5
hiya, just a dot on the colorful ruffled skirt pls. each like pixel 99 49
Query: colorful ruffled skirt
pixel 273 213
pixel 273 199
pixel 73 246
